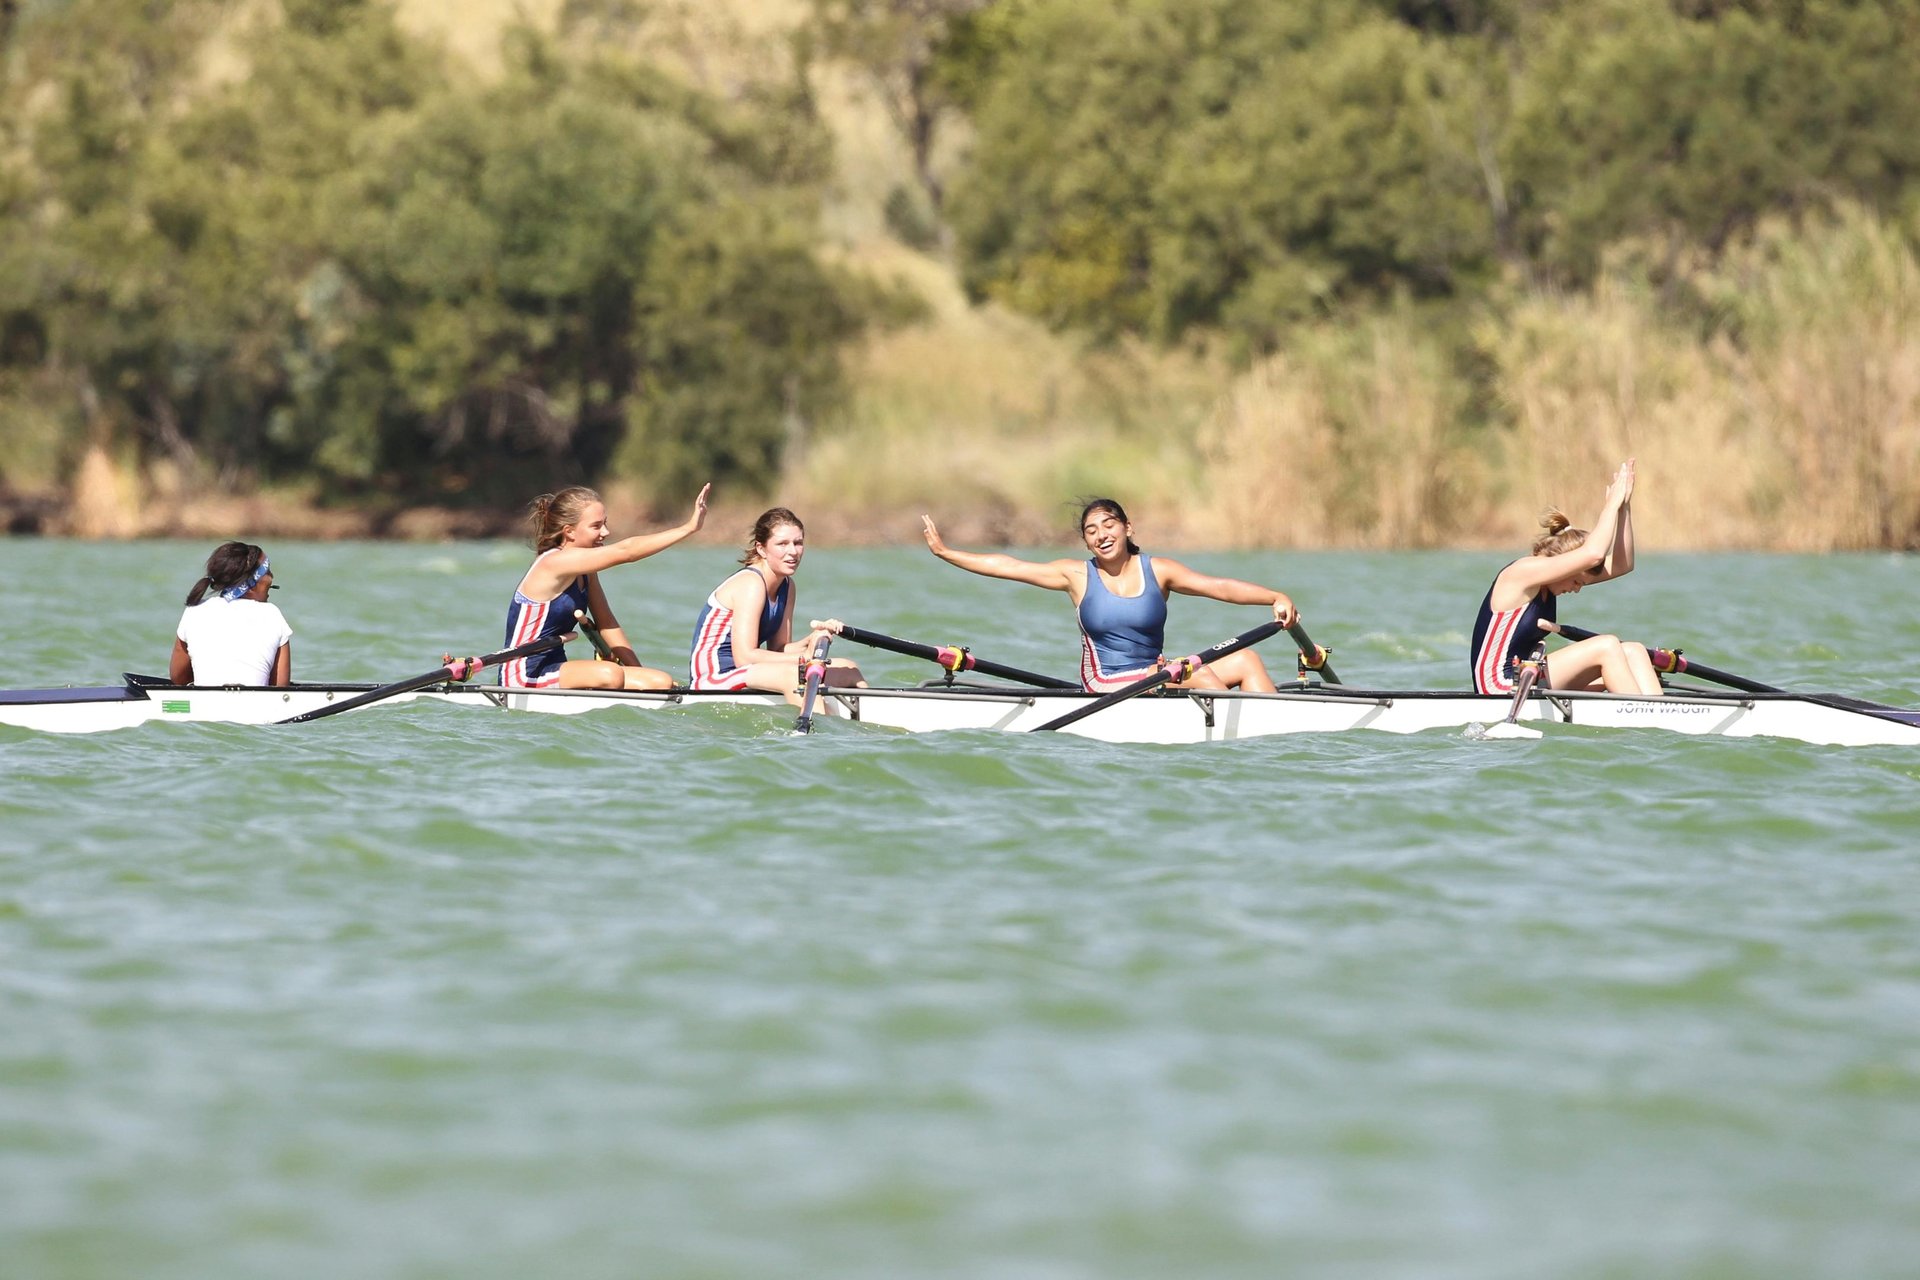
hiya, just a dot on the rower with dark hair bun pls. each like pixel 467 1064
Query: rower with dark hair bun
pixel 232 636
pixel 1120 599
pixel 570 533
pixel 1507 629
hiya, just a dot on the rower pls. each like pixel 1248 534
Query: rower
pixel 233 636
pixel 1523 598
pixel 1120 598
pixel 743 638
pixel 570 533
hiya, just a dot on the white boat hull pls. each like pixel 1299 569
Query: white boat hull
pixel 1172 717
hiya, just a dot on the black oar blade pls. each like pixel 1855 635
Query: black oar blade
pixel 1173 671
pixel 459 669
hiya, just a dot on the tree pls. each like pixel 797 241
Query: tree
pixel 903 49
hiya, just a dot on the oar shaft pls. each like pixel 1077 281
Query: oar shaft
pixel 816 672
pixel 1311 654
pixel 1681 664
pixel 458 669
pixel 592 633
pixel 1172 671
pixel 951 658
pixel 1529 676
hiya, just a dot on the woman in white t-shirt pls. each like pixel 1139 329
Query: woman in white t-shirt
pixel 229 633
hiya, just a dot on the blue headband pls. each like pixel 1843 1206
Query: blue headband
pixel 240 589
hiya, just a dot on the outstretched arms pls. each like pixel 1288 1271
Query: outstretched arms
pixel 1054 575
pixel 1175 576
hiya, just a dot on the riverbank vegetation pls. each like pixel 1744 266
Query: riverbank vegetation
pixel 1347 272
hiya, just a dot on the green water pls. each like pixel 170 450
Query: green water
pixel 432 993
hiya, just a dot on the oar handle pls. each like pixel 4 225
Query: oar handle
pixel 1177 670
pixel 1312 656
pixel 1673 662
pixel 951 657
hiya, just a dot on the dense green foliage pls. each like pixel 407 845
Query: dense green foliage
pixel 288 242
pixel 353 263
pixel 1161 166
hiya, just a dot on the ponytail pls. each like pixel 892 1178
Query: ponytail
pixel 230 564
pixel 551 514
pixel 1559 534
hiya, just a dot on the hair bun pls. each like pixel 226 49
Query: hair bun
pixel 1553 520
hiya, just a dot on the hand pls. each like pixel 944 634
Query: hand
pixel 932 534
pixel 700 507
pixel 832 626
pixel 1622 487
pixel 1283 611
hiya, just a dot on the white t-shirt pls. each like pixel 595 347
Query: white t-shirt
pixel 233 641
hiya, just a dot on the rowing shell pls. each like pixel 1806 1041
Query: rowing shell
pixel 1171 717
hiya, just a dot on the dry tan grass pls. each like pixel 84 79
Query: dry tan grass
pixel 1831 373
pixel 1589 380
pixel 1803 435
pixel 985 416
pixel 1348 438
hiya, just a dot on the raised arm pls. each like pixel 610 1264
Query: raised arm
pixel 569 563
pixel 1537 571
pixel 1054 575
pixel 1175 576
pixel 1620 562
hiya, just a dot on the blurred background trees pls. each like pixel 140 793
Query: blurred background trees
pixel 311 243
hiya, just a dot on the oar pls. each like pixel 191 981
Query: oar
pixel 1673 662
pixel 1530 670
pixel 816 672
pixel 1178 670
pixel 592 633
pixel 952 659
pixel 1312 656
pixel 456 669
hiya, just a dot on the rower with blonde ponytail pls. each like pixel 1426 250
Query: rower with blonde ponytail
pixel 569 530
pixel 1524 595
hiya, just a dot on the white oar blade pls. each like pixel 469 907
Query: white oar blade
pixel 1503 730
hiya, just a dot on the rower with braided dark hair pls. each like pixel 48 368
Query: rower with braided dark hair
pixel 229 634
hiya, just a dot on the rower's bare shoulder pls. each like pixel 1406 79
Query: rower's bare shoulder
pixel 1169 570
